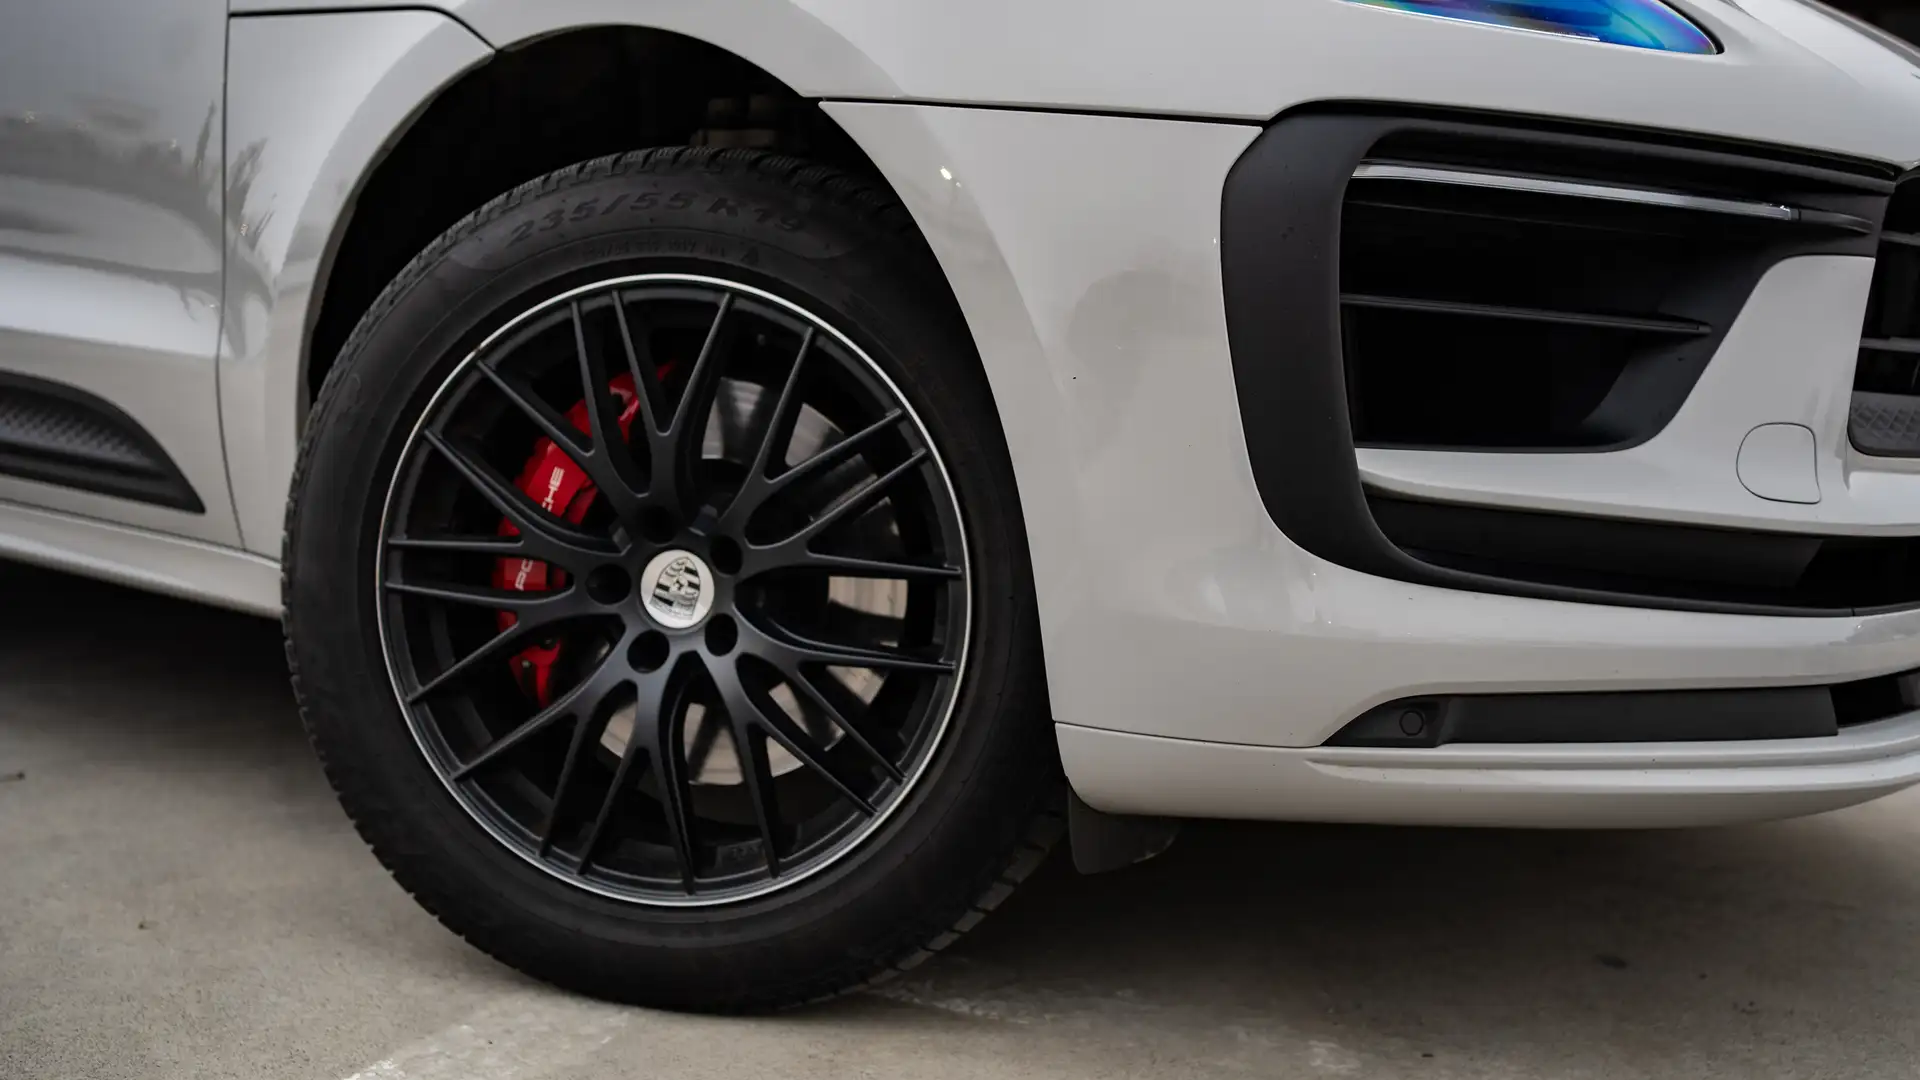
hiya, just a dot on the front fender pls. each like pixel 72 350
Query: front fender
pixel 312 102
pixel 1083 251
pixel 1787 74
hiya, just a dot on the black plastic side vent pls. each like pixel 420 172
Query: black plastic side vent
pixel 1791 712
pixel 1305 282
pixel 1736 569
pixel 1885 419
pixel 56 434
pixel 1504 295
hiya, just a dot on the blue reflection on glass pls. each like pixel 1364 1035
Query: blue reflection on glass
pixel 1644 24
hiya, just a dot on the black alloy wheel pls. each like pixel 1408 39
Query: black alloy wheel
pixel 657 593
pixel 761 617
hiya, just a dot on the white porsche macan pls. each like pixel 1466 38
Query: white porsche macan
pixel 743 478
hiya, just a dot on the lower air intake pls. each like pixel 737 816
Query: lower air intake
pixel 1498 296
pixel 1885 418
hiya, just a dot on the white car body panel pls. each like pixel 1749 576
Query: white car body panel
pixel 1788 75
pixel 1105 339
pixel 175 565
pixel 1197 657
pixel 318 98
pixel 1615 785
pixel 110 235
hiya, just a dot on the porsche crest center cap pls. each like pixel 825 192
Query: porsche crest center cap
pixel 677 589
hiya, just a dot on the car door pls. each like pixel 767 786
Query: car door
pixel 111 240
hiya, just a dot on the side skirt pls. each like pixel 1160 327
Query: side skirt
pixel 223 576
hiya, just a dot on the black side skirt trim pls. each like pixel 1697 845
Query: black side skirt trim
pixel 57 434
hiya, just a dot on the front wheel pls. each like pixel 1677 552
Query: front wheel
pixel 656 591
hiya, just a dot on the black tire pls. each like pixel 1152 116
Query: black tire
pixel 985 810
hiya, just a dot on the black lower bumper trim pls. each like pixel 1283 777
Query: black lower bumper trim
pixel 1794 712
pixel 1659 562
pixel 1284 259
pixel 1885 425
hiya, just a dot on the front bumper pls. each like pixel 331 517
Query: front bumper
pixel 1613 786
pixel 1197 655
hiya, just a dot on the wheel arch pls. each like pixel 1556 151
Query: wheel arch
pixel 298 301
pixel 382 93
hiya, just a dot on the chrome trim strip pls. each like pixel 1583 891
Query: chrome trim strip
pixel 1540 185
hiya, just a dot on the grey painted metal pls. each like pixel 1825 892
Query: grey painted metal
pixel 314 100
pixel 1788 74
pixel 1096 307
pixel 175 565
pixel 1540 786
pixel 111 229
pixel 1102 328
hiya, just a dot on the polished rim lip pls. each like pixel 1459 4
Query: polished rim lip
pixel 847 846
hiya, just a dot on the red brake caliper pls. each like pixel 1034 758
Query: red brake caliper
pixel 561 487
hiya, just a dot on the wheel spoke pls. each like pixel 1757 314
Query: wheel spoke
pixel 500 546
pixel 782 409
pixel 820 652
pixel 611 463
pixel 646 376
pixel 704 741
pixel 860 500
pixel 838 717
pixel 754 490
pixel 853 566
pixel 745 707
pixel 776 423
pixel 596 834
pixel 829 456
pixel 551 424
pixel 581 699
pixel 647 688
pixel 859 625
pixel 478 596
pixel 696 400
pixel 676 792
pixel 519 633
pixel 784 647
pixel 551 539
pixel 798 743
pixel 586 730
pixel 750 747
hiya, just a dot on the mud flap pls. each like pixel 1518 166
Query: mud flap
pixel 1103 842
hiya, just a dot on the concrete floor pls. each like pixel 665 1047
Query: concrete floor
pixel 180 898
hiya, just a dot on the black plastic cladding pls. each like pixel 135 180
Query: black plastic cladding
pixel 1280 262
pixel 1629 301
pixel 57 434
pixel 1760 570
pixel 1784 712
pixel 1885 417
